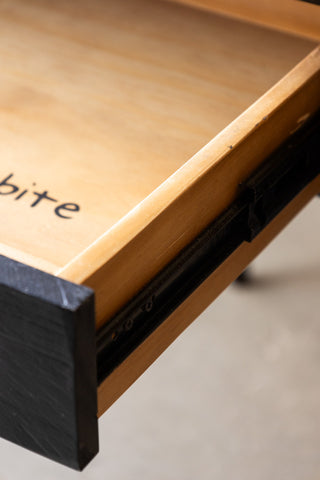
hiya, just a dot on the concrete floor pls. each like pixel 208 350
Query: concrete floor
pixel 237 396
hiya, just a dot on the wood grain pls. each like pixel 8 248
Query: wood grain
pixel 126 110
pixel 119 264
pixel 128 372
pixel 101 101
pixel 293 16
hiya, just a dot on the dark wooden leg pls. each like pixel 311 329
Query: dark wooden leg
pixel 245 278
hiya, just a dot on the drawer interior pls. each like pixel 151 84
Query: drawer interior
pixel 102 101
pixel 149 151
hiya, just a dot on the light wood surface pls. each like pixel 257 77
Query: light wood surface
pixel 130 254
pixel 126 111
pixel 128 372
pixel 106 115
pixel 101 101
pixel 295 16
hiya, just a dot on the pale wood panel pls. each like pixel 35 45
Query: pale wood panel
pixel 293 16
pixel 23 257
pixel 128 372
pixel 129 255
pixel 101 101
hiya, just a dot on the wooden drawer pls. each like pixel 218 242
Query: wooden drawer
pixel 149 151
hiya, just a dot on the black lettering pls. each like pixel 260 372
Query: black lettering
pixel 13 188
pixel 63 210
pixel 21 194
pixel 42 196
pixel 70 207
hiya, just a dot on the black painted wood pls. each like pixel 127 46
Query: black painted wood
pixel 48 386
pixel 316 2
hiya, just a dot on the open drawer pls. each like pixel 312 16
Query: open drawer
pixel 149 151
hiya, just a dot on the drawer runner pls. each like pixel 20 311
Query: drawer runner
pixel 261 197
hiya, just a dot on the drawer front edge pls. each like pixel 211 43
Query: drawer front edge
pixel 48 390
